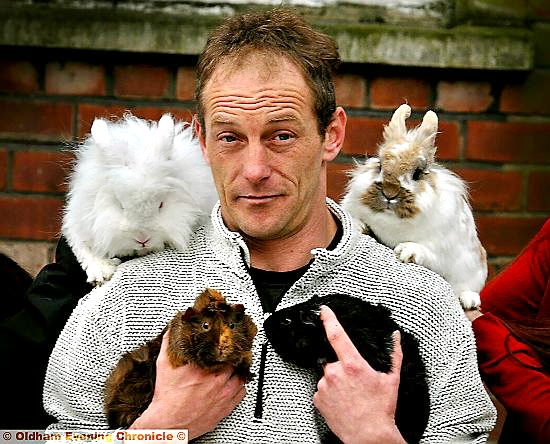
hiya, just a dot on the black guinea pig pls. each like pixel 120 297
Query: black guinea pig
pixel 297 334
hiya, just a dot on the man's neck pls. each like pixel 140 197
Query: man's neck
pixel 294 251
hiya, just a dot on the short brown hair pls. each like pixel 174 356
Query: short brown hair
pixel 281 32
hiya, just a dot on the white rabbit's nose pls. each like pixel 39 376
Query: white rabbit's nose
pixel 142 242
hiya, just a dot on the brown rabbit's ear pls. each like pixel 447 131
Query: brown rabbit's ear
pixel 426 133
pixel 397 128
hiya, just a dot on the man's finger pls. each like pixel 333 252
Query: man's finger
pixel 338 338
pixel 163 356
pixel 397 353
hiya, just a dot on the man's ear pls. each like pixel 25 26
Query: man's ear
pixel 335 134
pixel 201 136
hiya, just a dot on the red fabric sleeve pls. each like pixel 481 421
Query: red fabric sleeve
pixel 509 368
pixel 522 291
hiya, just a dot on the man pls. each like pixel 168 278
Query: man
pixel 268 125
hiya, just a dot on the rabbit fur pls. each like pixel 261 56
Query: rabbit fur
pixel 419 208
pixel 137 186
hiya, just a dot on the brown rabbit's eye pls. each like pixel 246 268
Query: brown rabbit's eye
pixel 232 326
pixel 205 325
pixel 417 174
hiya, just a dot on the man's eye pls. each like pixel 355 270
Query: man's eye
pixel 228 139
pixel 283 136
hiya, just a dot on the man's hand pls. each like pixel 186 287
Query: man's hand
pixel 358 402
pixel 188 397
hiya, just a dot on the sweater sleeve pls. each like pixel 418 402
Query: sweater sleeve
pixel 511 370
pixel 78 367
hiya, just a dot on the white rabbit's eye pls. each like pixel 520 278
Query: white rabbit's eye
pixel 161 205
pixel 417 174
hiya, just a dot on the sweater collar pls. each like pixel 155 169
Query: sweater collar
pixel 234 249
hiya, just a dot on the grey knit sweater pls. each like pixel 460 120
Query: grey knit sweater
pixel 145 293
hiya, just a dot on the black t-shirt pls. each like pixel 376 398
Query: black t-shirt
pixel 272 285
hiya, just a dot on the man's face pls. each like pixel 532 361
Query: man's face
pixel 262 142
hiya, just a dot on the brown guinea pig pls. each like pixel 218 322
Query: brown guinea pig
pixel 211 335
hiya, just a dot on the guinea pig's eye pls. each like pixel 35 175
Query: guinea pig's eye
pixel 286 321
pixel 205 325
pixel 417 174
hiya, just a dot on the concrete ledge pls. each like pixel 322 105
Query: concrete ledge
pixel 466 47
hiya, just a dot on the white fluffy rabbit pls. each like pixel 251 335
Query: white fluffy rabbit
pixel 137 186
pixel 419 208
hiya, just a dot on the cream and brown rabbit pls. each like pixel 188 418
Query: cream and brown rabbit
pixel 419 208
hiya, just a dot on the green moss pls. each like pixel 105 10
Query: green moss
pixel 185 33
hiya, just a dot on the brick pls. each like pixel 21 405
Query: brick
pixel 466 97
pixel 36 120
pixel 518 142
pixel 486 188
pixel 185 83
pixel 32 256
pixel 389 93
pixel 75 78
pixel 3 168
pixel 88 112
pixel 30 218
pixel 351 90
pixel 337 179
pixel 40 171
pixel 448 140
pixel 538 195
pixel 363 134
pixel 141 81
pixel 507 236
pixel 532 96
pixel 18 76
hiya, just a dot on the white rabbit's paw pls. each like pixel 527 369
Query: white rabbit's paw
pixel 101 270
pixel 410 252
pixel 469 300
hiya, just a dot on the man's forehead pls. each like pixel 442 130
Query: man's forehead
pixel 255 65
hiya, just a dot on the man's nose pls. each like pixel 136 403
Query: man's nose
pixel 256 162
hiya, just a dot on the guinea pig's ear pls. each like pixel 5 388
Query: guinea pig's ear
pixel 239 308
pixel 426 133
pixel 188 315
pixel 100 132
pixel 397 128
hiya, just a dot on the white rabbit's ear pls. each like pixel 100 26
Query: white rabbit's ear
pixel 100 132
pixel 426 133
pixel 166 131
pixel 166 125
pixel 397 128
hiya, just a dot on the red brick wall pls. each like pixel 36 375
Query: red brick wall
pixel 495 130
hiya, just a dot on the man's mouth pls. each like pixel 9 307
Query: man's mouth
pixel 259 198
